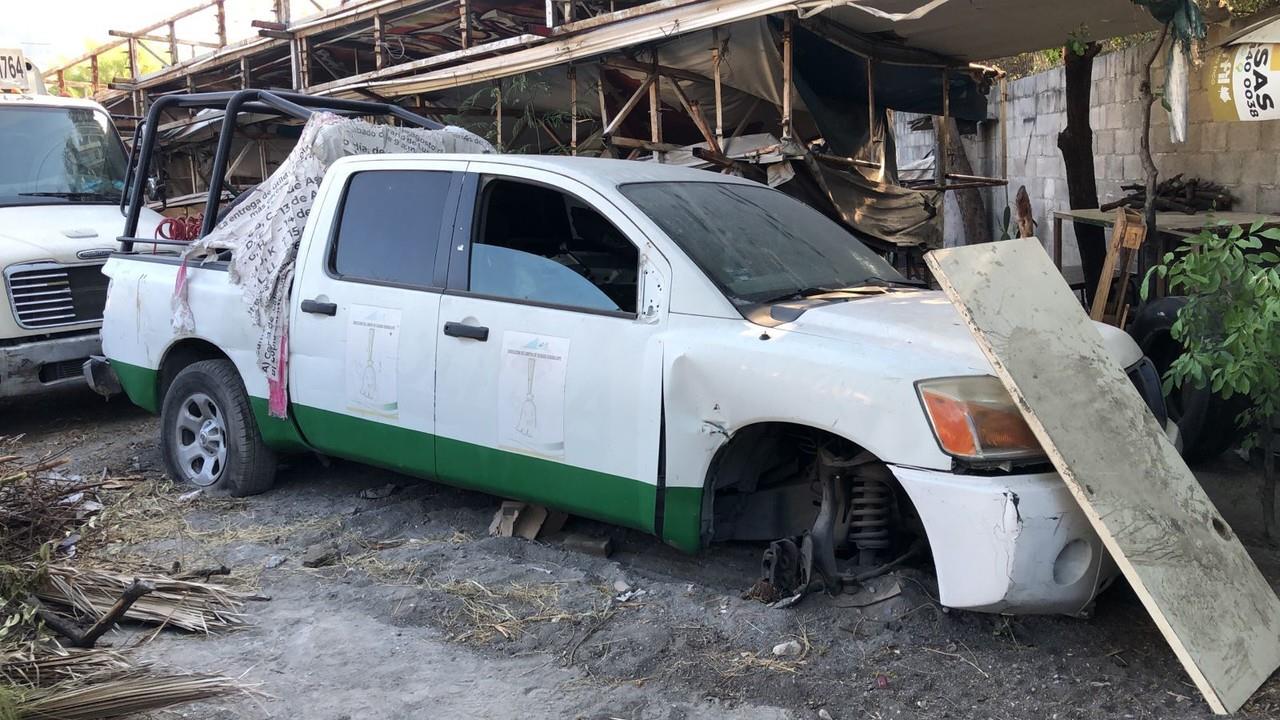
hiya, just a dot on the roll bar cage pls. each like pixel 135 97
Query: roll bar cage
pixel 233 104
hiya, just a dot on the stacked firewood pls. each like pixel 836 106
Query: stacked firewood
pixel 1175 194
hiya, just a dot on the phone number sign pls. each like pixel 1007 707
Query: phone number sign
pixel 1244 82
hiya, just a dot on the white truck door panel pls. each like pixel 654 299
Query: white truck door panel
pixel 363 336
pixel 549 384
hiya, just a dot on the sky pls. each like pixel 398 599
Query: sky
pixel 51 31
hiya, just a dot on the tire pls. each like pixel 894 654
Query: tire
pixel 1206 421
pixel 208 435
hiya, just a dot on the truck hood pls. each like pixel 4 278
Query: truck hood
pixel 926 323
pixel 59 231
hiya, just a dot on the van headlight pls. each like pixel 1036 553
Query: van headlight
pixel 974 419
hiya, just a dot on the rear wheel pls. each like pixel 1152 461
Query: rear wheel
pixel 208 435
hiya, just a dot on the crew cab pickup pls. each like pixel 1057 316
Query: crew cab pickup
pixel 681 352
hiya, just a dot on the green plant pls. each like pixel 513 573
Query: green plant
pixel 1230 326
pixel 1078 40
pixel 516 98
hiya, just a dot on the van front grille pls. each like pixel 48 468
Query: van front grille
pixel 45 295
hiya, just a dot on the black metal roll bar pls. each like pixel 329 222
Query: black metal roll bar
pixel 233 104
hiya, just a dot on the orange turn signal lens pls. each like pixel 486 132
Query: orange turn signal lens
pixel 974 418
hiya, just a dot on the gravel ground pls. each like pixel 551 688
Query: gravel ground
pixel 422 614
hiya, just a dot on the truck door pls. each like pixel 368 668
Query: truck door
pixel 548 381
pixel 363 334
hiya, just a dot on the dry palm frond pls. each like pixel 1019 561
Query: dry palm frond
pixel 189 605
pixel 507 610
pixel 35 665
pixel 117 694
pixel 40 681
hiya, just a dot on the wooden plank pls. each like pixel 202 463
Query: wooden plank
pixel 1184 562
pixel 518 41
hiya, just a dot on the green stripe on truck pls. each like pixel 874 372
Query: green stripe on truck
pixel 606 497
pixel 140 384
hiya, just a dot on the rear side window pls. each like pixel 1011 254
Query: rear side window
pixel 390 225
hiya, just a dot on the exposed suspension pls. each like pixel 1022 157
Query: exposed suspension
pixel 870 513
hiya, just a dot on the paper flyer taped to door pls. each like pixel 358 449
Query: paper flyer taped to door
pixel 373 358
pixel 531 393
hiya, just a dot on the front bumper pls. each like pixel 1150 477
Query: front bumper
pixel 1009 543
pixel 28 368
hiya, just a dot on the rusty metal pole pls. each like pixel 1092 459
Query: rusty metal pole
pixel 93 73
pixel 222 23
pixel 655 115
pixel 941 136
pixel 244 73
pixel 573 110
pixel 304 65
pixel 173 44
pixel 62 82
pixel 498 108
pixel 134 98
pixel 604 110
pixel 715 78
pixel 786 78
pixel 464 23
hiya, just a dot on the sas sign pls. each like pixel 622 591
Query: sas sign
pixel 1244 82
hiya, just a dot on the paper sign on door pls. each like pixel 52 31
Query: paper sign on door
pixel 531 393
pixel 373 357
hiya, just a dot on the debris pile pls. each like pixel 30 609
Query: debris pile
pixel 1175 194
pixel 46 602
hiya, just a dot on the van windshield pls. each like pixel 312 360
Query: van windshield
pixel 59 155
pixel 757 244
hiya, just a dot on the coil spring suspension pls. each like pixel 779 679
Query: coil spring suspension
pixel 870 515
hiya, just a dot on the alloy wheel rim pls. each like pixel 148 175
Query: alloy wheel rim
pixel 201 440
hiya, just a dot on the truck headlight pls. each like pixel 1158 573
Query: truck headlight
pixel 974 418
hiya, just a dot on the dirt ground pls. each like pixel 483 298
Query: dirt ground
pixel 422 614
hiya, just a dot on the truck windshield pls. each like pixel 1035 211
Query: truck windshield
pixel 59 155
pixel 758 244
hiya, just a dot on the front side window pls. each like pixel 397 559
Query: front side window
pixel 758 244
pixel 51 154
pixel 537 244
pixel 390 226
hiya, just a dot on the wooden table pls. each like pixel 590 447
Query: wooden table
pixel 1172 223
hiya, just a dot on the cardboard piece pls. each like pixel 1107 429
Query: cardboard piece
pixel 517 519
pixel 1202 589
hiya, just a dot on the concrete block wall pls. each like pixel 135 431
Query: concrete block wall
pixel 1240 155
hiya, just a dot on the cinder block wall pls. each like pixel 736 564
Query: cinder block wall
pixel 1240 155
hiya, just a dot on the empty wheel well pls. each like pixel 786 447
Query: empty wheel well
pixel 763 485
pixel 179 356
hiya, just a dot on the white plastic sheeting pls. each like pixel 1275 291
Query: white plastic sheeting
pixel 262 232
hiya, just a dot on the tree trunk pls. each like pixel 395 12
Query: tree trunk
pixel 973 210
pixel 1076 143
pixel 1152 249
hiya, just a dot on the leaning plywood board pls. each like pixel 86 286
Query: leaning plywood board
pixel 1195 578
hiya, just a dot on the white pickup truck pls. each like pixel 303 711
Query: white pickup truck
pixel 672 350
pixel 62 172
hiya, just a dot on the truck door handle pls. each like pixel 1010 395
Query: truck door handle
pixel 474 332
pixel 319 308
